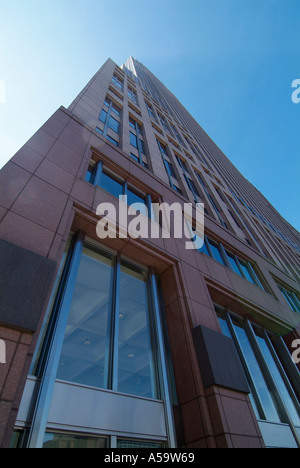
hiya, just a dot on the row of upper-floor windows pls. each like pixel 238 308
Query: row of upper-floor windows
pixel 118 186
pixel 156 115
pixel 229 220
pixel 243 268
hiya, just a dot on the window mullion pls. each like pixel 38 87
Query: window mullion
pixel 267 374
pixel 282 372
pixel 98 173
pixel 245 366
pixel 115 326
pixel 44 397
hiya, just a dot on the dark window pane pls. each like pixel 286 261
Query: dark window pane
pixel 112 140
pixel 111 185
pixel 132 197
pixel 246 271
pixel 68 441
pixel 233 263
pixel 133 139
pixel 204 249
pixel 142 145
pixel 171 169
pixel 216 252
pixel 103 116
pixel 259 381
pixel 113 124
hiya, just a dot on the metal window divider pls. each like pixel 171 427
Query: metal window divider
pixel 245 367
pixel 46 387
pixel 282 371
pixel 163 363
pixel 270 381
pixel 114 355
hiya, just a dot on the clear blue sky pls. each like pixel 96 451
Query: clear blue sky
pixel 230 62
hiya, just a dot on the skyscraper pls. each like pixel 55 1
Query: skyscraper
pixel 140 342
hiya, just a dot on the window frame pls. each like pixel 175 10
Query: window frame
pixel 286 369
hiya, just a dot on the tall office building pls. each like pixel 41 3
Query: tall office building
pixel 136 342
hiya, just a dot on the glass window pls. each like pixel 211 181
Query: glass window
pixel 68 441
pixel 116 109
pixel 84 358
pixel 113 124
pixel 133 139
pixel 98 130
pixel 246 271
pixel 136 372
pixel 171 169
pixel 103 116
pixel 112 140
pixel 117 82
pixel 133 197
pixel 272 366
pixel 216 252
pixel 264 392
pixel 111 185
pixel 233 264
pixel 291 299
pixel 204 249
pixel 135 157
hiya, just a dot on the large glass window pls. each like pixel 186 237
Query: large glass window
pixel 85 357
pixel 272 392
pixel 216 252
pixel 109 337
pixel 136 138
pixel 136 370
pixel 291 299
pixel 111 185
pixel 109 121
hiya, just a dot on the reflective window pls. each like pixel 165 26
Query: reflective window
pixel 272 392
pixel 133 197
pixel 233 263
pixel 117 82
pixel 291 299
pixel 111 185
pixel 108 340
pixel 113 124
pixel 278 379
pixel 133 139
pixel 68 441
pixel 265 393
pixel 216 252
pixel 136 364
pixel 103 116
pixel 246 271
pixel 84 357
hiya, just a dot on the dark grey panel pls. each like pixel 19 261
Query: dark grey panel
pixel 25 279
pixel 218 360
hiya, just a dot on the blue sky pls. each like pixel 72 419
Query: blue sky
pixel 230 62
